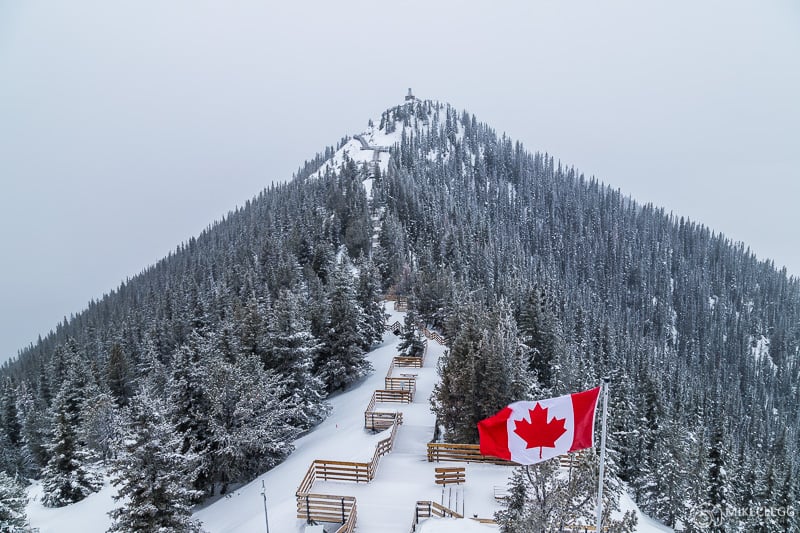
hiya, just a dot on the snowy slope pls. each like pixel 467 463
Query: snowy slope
pixel 385 505
pixel 404 476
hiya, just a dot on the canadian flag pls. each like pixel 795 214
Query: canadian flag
pixel 531 432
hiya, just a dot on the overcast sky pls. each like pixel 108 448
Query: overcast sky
pixel 127 127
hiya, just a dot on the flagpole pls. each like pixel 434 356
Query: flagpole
pixel 604 390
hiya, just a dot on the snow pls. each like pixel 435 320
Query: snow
pixel 453 525
pixel 385 505
pixel 87 516
pixel 759 349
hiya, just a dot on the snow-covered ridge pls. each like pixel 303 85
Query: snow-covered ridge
pixel 371 146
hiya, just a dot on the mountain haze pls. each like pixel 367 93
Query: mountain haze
pixel 700 339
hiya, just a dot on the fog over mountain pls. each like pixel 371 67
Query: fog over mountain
pixel 127 128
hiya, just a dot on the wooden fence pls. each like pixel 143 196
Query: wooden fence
pixel 407 362
pixel 428 509
pixel 393 396
pixel 314 507
pixel 394 327
pixel 432 334
pixel 401 383
pixel 467 453
pixel 328 508
pixel 450 476
pixel 471 453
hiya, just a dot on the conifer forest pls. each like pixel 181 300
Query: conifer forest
pixel 542 280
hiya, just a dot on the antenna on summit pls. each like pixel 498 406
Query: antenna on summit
pixel 409 96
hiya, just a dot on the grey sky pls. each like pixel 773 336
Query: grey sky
pixel 127 127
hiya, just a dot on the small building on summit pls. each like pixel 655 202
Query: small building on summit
pixel 409 96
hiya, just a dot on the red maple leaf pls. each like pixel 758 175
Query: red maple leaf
pixel 539 433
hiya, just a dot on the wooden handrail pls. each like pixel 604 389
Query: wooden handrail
pixel 466 453
pixel 428 509
pixel 471 453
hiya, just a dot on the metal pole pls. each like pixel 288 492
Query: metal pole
pixel 604 391
pixel 264 495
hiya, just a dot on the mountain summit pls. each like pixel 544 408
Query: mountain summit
pixel 527 267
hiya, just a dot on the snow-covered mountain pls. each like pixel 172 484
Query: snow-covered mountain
pixel 491 244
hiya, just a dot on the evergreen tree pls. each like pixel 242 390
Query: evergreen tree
pixel 292 352
pixel 368 298
pixel 153 477
pixel 12 505
pixel 118 375
pixel 11 456
pixel 342 358
pixel 35 429
pixel 539 331
pixel 716 478
pixel 453 399
pixel 249 421
pixel 411 343
pixel 543 499
pixel 99 425
pixel 67 478
pixel 483 372
pixel 189 406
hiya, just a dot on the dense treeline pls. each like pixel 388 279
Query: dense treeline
pixel 700 338
pixel 543 280
pixel 233 341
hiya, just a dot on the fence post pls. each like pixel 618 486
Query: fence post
pixel 308 511
pixel 343 519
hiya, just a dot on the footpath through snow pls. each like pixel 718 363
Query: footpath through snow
pixel 385 505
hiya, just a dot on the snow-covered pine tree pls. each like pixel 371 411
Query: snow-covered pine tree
pixel 342 358
pixel 67 478
pixel 118 375
pixel 153 477
pixel 249 421
pixel 543 499
pixel 11 453
pixel 411 343
pixel 12 505
pixel 35 429
pixel 292 351
pixel 368 297
pixel 540 334
pixel 453 398
pixel 99 424
pixel 189 406
pixel 484 371
pixel 716 482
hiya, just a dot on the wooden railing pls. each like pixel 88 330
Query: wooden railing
pixel 401 383
pixel 379 421
pixel 432 335
pixel 407 362
pixel 408 383
pixel 468 453
pixel 401 303
pixel 327 508
pixel 450 476
pixel 393 396
pixel 428 509
pixel 324 507
pixel 395 326
pixel 471 453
